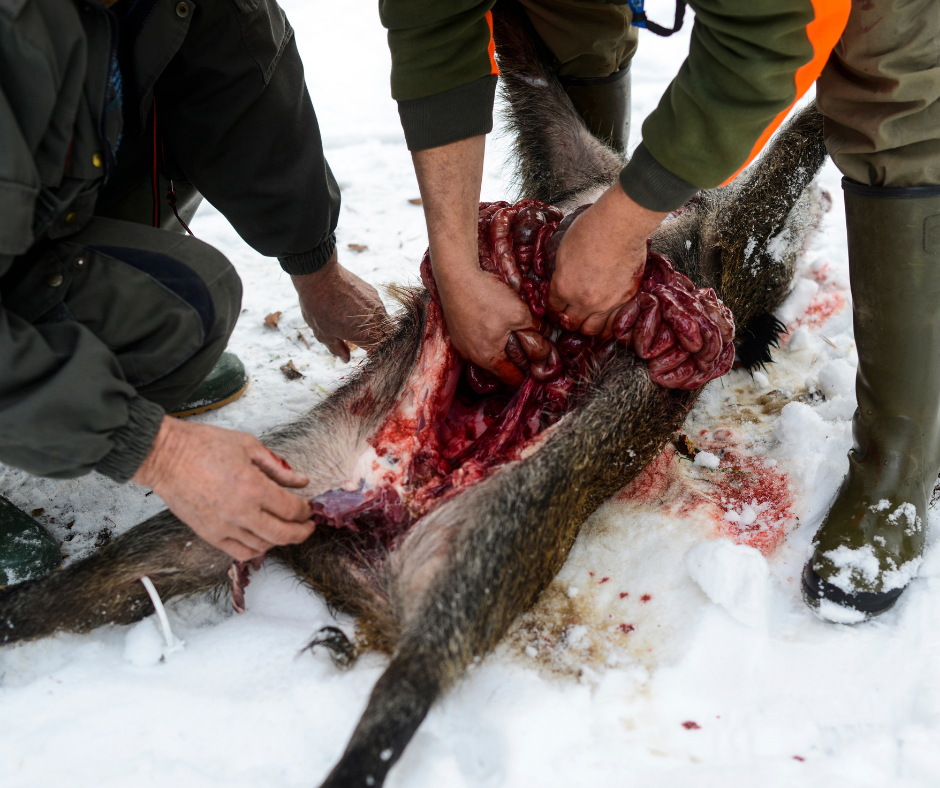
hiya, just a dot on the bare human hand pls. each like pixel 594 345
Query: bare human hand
pixel 228 487
pixel 600 262
pixel 340 307
pixel 479 309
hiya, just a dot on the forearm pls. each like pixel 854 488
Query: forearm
pixel 449 178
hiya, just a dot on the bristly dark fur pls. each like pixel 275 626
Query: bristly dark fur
pixel 542 120
pixel 754 343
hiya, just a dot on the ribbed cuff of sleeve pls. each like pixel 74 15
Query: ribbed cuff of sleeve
pixel 450 116
pixel 651 185
pixel 309 262
pixel 133 441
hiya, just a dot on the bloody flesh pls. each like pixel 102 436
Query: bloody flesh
pixel 457 422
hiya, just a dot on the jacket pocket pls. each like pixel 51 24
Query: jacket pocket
pixel 265 31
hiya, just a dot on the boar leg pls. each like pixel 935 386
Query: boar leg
pixel 105 588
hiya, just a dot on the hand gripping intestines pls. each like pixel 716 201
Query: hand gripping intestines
pixel 684 333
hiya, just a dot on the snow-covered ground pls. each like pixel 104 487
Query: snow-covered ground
pixel 665 654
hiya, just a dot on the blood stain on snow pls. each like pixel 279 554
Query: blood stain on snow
pixel 799 758
pixel 829 300
pixel 747 497
pixel 645 598
pixel 825 304
pixel 624 594
pixel 691 726
pixel 626 628
pixel 603 580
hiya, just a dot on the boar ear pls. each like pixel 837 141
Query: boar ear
pixel 343 652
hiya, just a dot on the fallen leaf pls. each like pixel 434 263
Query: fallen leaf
pixel 303 339
pixel 291 372
pixel 357 247
pixel 415 201
pixel 271 320
pixel 684 446
pixel 36 512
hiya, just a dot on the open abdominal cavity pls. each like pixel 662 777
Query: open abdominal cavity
pixel 456 423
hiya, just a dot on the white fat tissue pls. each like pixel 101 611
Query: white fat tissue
pixel 672 623
pixel 734 576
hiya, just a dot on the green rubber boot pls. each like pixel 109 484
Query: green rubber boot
pixel 604 104
pixel 226 383
pixel 27 551
pixel 870 545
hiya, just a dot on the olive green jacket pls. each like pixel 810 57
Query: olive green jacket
pixel 739 76
pixel 77 85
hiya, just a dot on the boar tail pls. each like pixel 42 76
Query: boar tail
pixel 105 588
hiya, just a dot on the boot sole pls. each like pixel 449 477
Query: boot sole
pixel 211 406
pixel 868 603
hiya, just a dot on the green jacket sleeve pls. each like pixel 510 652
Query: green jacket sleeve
pixel 739 76
pixel 443 69
pixel 239 121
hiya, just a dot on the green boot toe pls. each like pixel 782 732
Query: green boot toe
pixel 226 383
pixel 870 545
pixel 27 551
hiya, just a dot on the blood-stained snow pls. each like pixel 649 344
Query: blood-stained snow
pixel 673 649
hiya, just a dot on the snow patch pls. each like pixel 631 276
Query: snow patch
pixel 837 379
pixel 143 644
pixel 902 576
pixel 908 511
pixel 856 566
pixel 837 614
pixel 802 295
pixel 779 245
pixel 734 576
pixel 706 459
